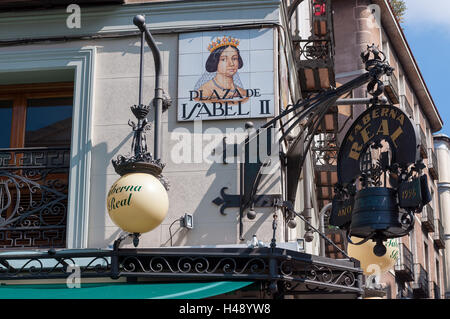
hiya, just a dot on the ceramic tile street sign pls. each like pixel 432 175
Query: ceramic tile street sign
pixel 226 75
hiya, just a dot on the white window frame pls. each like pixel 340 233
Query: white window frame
pixel 82 62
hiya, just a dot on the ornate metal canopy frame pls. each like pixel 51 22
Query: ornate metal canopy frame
pixel 281 272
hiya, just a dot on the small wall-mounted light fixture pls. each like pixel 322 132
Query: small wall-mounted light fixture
pixel 187 221
pixel 301 245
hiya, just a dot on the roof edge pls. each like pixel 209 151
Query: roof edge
pixel 409 64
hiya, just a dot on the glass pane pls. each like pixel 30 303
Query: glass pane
pixel 5 123
pixel 49 122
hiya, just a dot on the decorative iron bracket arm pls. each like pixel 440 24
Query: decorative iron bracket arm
pixel 312 111
pixel 374 64
pixel 290 208
pixel 233 201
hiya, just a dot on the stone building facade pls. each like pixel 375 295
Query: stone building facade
pixel 442 147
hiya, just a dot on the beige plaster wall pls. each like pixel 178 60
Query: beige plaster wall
pixel 193 185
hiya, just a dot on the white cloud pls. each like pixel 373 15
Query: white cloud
pixel 427 13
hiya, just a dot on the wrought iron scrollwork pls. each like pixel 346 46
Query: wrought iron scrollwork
pixel 194 265
pixel 314 50
pixel 319 274
pixel 316 278
pixel 39 267
pixel 33 197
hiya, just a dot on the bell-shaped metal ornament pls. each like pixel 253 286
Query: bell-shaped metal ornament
pixel 292 224
pixel 251 214
pixel 376 211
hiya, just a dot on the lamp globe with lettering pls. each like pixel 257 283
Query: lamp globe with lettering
pixel 137 202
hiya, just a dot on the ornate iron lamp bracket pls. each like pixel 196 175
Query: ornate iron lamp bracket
pixel 143 161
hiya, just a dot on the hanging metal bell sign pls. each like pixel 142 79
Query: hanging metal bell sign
pixel 375 157
pixel 376 211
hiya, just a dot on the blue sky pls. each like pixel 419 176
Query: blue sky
pixel 427 30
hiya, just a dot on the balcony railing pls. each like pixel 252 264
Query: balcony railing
pixel 404 269
pixel 315 55
pixel 420 285
pixel 439 235
pixel 406 105
pixel 423 142
pixel 433 164
pixel 33 197
pixel 315 64
pixel 427 218
pixel 391 88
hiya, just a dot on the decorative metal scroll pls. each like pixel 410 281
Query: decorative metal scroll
pixel 231 201
pixel 296 272
pixel 314 49
pixel 44 268
pixel 319 278
pixel 33 197
pixel 195 264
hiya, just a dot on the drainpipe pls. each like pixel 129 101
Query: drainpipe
pixel 139 21
pixel 307 191
pixel 322 212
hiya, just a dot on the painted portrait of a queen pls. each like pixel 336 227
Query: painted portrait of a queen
pixel 220 81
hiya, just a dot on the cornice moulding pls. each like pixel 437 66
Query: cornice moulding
pixel 109 19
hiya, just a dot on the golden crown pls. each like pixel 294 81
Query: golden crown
pixel 225 41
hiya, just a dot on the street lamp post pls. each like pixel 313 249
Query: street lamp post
pixel 139 21
pixel 138 201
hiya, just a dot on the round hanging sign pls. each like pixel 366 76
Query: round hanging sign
pixel 377 123
pixel 137 202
